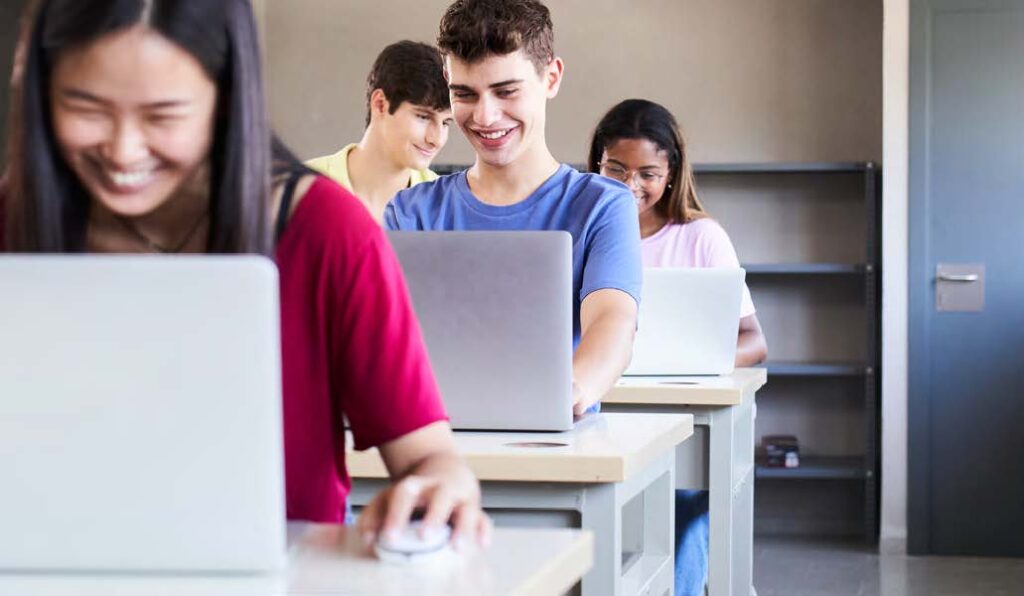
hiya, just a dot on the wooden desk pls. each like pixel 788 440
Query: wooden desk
pixel 613 474
pixel 327 559
pixel 719 459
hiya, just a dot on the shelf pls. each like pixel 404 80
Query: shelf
pixel 818 369
pixel 833 167
pixel 817 468
pixel 808 268
pixel 845 167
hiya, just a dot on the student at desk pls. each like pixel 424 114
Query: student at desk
pixel 639 144
pixel 140 127
pixel 408 117
pixel 502 70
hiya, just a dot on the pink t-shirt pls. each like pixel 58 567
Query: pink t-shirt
pixel 700 243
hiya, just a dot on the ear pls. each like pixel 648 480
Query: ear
pixel 379 104
pixel 552 76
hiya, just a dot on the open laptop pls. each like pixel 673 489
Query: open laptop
pixel 140 414
pixel 688 322
pixel 496 314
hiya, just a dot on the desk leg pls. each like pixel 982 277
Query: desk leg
pixel 743 539
pixel 720 473
pixel 601 513
pixel 651 570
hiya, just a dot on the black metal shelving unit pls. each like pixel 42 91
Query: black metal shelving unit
pixel 859 468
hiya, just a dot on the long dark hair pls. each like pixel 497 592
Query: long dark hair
pixel 47 208
pixel 642 119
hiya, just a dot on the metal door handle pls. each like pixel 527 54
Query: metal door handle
pixel 967 278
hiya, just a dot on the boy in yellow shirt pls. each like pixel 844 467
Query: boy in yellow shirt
pixel 407 122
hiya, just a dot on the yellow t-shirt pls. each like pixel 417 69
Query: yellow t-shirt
pixel 336 167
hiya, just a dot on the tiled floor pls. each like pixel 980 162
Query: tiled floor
pixel 803 567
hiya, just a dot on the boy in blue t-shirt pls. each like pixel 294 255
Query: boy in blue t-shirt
pixel 501 70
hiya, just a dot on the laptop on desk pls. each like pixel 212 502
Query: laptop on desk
pixel 688 322
pixel 140 414
pixel 496 314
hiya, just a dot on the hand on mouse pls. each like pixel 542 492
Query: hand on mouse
pixel 431 477
pixel 390 511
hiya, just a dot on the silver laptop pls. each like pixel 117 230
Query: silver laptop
pixel 496 314
pixel 140 414
pixel 688 322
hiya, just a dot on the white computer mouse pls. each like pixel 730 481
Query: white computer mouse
pixel 409 547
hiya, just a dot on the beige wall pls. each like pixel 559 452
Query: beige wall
pixel 766 80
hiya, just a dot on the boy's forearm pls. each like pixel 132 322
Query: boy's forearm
pixel 602 355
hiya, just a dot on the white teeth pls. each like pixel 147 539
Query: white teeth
pixel 494 135
pixel 130 178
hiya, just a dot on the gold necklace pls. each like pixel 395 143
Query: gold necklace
pixel 154 246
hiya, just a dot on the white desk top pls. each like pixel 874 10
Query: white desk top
pixel 327 559
pixel 726 390
pixel 602 448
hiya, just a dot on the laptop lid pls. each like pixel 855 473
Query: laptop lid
pixel 688 322
pixel 496 314
pixel 140 418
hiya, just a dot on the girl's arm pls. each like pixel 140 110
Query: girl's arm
pixel 751 347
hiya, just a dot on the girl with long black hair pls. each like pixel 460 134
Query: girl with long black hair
pixel 139 126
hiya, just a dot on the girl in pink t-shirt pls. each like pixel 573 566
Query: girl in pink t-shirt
pixel 638 143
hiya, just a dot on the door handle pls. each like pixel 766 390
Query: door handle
pixel 964 278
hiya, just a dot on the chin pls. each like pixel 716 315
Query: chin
pixel 131 204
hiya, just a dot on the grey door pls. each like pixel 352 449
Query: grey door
pixel 966 436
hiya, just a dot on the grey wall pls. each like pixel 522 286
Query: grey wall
pixel 792 80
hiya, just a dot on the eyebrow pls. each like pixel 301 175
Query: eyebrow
pixel 86 96
pixel 491 86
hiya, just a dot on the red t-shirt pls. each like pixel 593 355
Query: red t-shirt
pixel 350 345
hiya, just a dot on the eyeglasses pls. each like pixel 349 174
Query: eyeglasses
pixel 642 177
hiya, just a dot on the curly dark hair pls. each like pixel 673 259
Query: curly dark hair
pixel 471 30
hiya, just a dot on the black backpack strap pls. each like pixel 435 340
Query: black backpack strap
pixel 285 209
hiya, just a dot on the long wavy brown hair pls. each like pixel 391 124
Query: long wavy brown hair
pixel 642 119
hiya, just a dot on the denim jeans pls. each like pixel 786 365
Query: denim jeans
pixel 350 518
pixel 691 542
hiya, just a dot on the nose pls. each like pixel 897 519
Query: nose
pixel 486 111
pixel 127 144
pixel 432 135
pixel 633 182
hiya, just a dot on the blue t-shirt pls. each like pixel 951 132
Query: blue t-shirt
pixel 599 213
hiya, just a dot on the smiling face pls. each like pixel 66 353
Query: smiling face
pixel 415 134
pixel 500 103
pixel 133 117
pixel 640 165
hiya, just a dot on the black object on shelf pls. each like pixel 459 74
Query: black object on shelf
pixel 780 451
